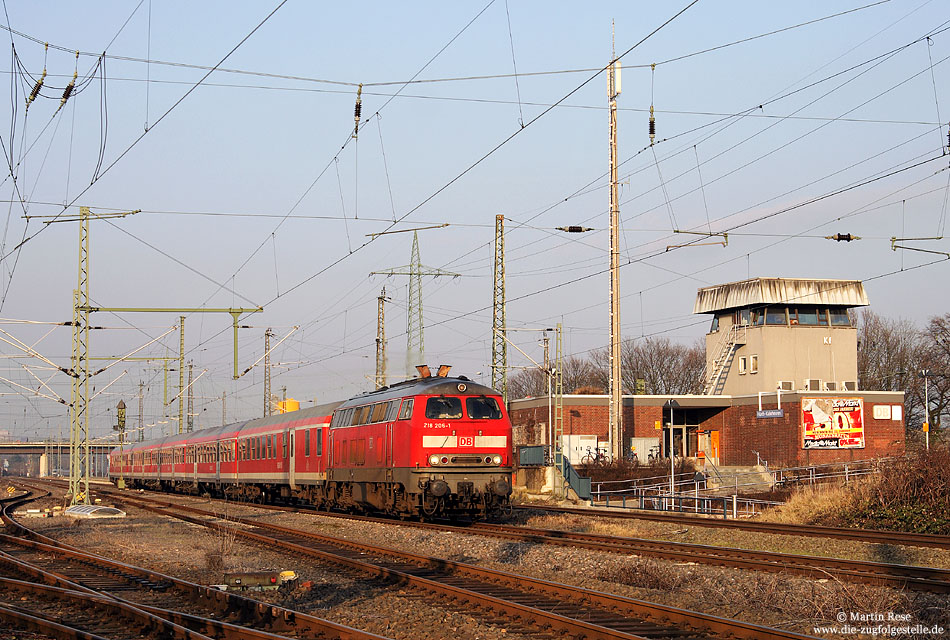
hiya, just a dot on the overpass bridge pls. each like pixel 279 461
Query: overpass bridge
pixel 50 457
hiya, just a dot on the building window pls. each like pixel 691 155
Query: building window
pixel 715 325
pixel 743 365
pixel 753 364
pixel 758 317
pixel 775 316
pixel 840 318
pixel 808 316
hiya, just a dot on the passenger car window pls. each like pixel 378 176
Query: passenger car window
pixel 482 408
pixel 443 408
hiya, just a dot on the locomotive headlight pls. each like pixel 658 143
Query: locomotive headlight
pixel 433 460
pixel 496 459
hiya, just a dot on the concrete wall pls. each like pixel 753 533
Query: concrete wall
pixel 794 353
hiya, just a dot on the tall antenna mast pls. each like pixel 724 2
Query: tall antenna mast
pixel 615 427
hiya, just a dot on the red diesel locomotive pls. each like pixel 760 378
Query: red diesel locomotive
pixel 430 446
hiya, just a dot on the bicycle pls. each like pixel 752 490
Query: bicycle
pixel 653 455
pixel 595 457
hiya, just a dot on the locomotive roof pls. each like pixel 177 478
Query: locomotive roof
pixel 431 385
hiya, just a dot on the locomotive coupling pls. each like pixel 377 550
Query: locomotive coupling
pixel 438 488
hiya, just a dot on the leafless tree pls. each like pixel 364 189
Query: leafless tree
pixel 889 359
pixel 578 373
pixel 936 360
pixel 666 367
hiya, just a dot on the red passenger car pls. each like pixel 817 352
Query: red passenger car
pixel 429 446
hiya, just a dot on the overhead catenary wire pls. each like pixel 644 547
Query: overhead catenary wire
pixel 160 119
pixel 415 80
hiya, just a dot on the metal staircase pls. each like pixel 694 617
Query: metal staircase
pixel 725 353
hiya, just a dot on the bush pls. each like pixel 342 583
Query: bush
pixel 910 494
pixel 907 494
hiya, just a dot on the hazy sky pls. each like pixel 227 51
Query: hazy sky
pixel 779 123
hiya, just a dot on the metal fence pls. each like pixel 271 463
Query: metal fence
pixel 725 506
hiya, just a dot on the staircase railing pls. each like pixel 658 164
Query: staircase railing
pixel 724 353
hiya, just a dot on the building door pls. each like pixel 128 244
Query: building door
pixel 709 445
pixel 679 440
pixel 291 458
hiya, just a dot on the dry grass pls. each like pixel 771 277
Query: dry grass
pixel 910 494
pixel 812 504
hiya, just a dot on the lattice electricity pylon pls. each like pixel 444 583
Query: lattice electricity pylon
pixel 499 346
pixel 415 347
pixel 79 415
pixel 381 340
pixel 268 401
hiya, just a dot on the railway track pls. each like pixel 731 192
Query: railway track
pixel 543 607
pixel 872 536
pixel 910 577
pixel 61 591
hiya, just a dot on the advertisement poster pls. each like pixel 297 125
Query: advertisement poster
pixel 833 423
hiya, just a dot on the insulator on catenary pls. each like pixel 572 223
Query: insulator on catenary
pixel 843 237
pixel 357 110
pixel 68 91
pixel 652 126
pixel 36 89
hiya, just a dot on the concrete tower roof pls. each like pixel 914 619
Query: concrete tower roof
pixel 758 292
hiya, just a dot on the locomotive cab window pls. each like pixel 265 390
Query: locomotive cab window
pixel 443 408
pixel 482 408
pixel 406 411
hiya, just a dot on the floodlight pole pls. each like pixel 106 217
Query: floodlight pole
pixel 615 410
pixel 672 457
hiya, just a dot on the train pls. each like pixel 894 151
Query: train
pixel 432 446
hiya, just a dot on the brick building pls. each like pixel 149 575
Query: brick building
pixel 781 386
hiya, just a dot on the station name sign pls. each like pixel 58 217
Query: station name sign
pixel 770 413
